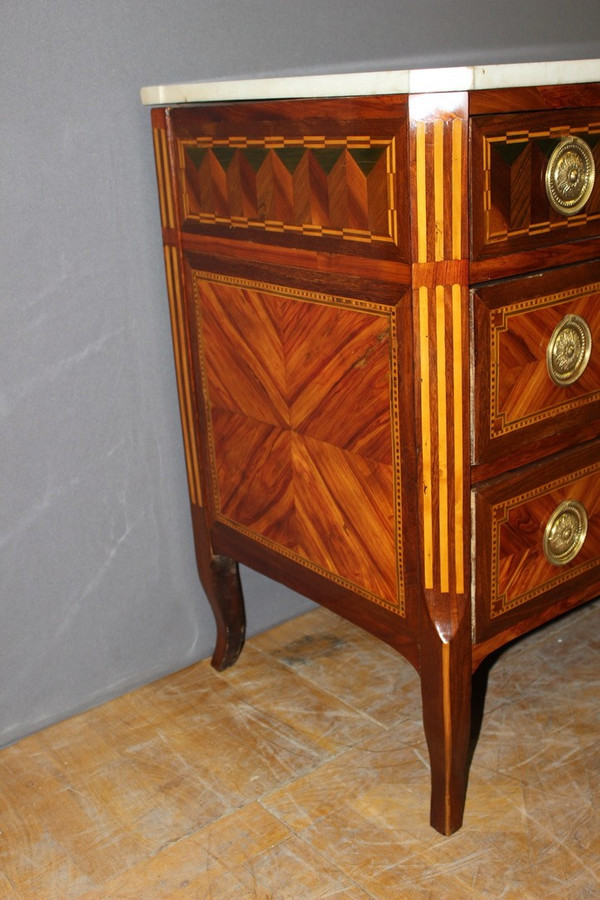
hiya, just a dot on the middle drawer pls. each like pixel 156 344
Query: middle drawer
pixel 536 351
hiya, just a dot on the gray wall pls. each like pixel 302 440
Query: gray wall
pixel 98 588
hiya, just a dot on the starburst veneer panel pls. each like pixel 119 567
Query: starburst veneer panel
pixel 293 464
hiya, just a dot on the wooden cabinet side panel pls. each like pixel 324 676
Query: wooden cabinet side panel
pixel 302 420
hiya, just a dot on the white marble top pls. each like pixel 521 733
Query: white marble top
pixel 403 81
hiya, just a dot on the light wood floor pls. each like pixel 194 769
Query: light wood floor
pixel 302 773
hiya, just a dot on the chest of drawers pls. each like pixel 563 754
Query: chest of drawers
pixel 386 326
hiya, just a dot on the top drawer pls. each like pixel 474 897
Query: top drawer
pixel 535 183
pixel 319 176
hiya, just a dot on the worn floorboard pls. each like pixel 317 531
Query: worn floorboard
pixel 302 773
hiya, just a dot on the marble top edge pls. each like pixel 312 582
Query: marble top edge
pixel 401 81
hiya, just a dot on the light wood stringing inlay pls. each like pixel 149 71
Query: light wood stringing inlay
pixel 178 319
pixel 448 730
pixel 182 370
pixel 458 299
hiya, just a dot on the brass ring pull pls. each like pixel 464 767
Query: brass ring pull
pixel 570 175
pixel 565 532
pixel 569 349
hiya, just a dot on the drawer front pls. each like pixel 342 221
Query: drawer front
pixel 537 539
pixel 534 180
pixel 537 364
pixel 298 174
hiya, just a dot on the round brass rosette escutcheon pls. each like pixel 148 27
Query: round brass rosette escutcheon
pixel 570 175
pixel 565 532
pixel 569 349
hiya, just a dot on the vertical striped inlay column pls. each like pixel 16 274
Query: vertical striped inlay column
pixel 440 291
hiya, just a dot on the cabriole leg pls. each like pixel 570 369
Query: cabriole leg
pixel 220 578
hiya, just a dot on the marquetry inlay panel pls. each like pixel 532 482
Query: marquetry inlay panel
pixel 304 427
pixel 312 185
pixel 520 571
pixel 511 208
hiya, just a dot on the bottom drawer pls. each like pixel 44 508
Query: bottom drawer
pixel 537 539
